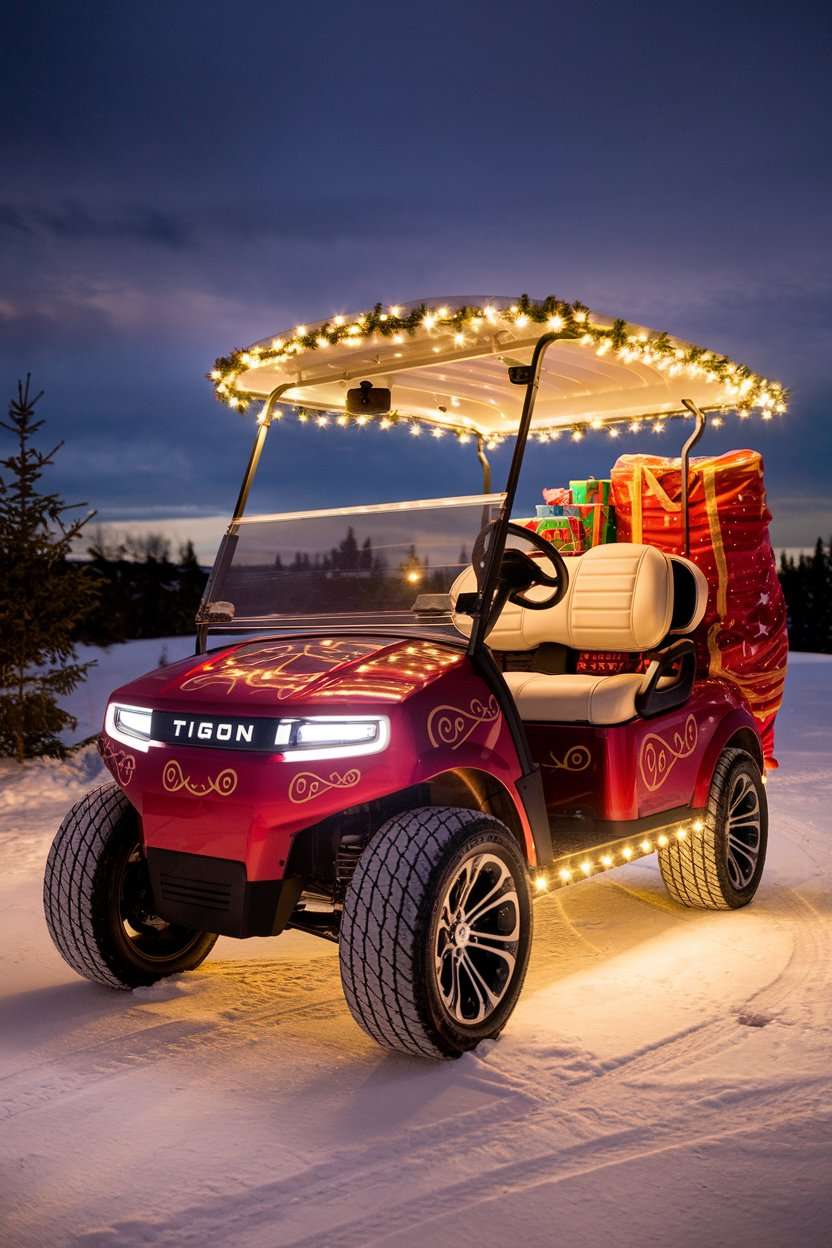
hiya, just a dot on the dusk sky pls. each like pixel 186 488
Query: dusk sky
pixel 182 178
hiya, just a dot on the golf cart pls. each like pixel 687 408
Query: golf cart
pixel 392 746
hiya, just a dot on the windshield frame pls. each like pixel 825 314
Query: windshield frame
pixel 248 592
pixel 529 376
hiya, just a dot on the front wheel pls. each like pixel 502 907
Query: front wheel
pixel 98 904
pixel 436 931
pixel 719 864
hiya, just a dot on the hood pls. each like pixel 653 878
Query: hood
pixel 288 672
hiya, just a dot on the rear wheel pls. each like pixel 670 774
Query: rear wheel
pixel 98 903
pixel 719 864
pixel 436 931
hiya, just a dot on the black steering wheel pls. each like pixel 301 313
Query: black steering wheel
pixel 519 572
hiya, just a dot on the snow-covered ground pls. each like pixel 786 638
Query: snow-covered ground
pixel 666 1079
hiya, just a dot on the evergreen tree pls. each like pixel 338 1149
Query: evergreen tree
pixel 807 588
pixel 43 597
pixel 191 583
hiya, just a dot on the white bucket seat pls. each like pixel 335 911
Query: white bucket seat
pixel 621 597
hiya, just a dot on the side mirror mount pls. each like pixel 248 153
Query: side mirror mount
pixel 368 400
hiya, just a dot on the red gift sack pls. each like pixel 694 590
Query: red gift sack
pixel 743 636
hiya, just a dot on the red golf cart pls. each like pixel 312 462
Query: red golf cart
pixel 393 746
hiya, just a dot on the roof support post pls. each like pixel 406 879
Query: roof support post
pixel 264 421
pixel 229 538
pixel 486 467
pixel 699 428
pixel 487 576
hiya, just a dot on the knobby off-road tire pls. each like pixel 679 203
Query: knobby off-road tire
pixel 720 866
pixel 97 901
pixel 405 950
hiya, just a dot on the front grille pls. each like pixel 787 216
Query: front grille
pixel 213 894
pixel 189 892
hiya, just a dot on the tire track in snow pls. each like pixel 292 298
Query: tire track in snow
pixel 405 1166
pixel 589 1106
pixel 106 1057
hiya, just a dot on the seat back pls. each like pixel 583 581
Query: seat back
pixel 690 595
pixel 621 597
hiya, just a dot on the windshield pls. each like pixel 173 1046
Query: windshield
pixel 390 565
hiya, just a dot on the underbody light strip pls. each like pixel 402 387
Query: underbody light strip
pixel 577 867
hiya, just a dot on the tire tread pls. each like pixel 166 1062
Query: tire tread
pixel 690 867
pixel 380 922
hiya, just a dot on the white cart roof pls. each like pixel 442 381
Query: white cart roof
pixel 445 362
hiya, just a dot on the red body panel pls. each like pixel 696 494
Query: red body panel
pixel 248 806
pixel 640 768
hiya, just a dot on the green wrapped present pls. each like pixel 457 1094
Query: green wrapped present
pixel 597 521
pixel 591 490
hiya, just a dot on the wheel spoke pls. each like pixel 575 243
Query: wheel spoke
pixel 740 847
pixel 485 997
pixel 491 898
pixel 482 937
pixel 741 792
pixel 471 873
pixel 498 951
pixel 750 817
pixel 474 966
pixel 742 831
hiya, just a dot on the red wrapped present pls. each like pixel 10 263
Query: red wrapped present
pixel 597 521
pixel 743 636
pixel 555 497
pixel 564 532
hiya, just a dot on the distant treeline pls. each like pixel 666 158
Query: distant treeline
pixel 807 586
pixel 141 590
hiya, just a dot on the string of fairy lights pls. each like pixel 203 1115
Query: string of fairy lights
pixel 579 866
pixel 742 389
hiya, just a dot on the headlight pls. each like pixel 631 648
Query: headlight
pixel 129 724
pixel 333 736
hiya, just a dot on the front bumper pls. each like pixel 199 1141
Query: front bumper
pixel 215 895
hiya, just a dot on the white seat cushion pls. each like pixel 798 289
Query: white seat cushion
pixel 620 597
pixel 575 699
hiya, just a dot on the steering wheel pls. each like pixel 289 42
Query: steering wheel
pixel 519 572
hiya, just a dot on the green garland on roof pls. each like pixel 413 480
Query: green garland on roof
pixel 568 320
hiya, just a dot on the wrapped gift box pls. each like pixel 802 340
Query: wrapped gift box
pixel 557 496
pixel 566 533
pixel 596 519
pixel 590 490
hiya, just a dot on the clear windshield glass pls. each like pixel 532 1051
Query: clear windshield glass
pixel 390 565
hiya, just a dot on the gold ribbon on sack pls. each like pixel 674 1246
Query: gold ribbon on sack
pixel 642 473
pixel 762 701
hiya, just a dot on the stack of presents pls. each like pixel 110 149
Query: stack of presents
pixel 743 636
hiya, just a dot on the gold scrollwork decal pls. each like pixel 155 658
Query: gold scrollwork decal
pixel 576 758
pixel 453 725
pixel 173 778
pixel 122 764
pixel 306 785
pixel 658 756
